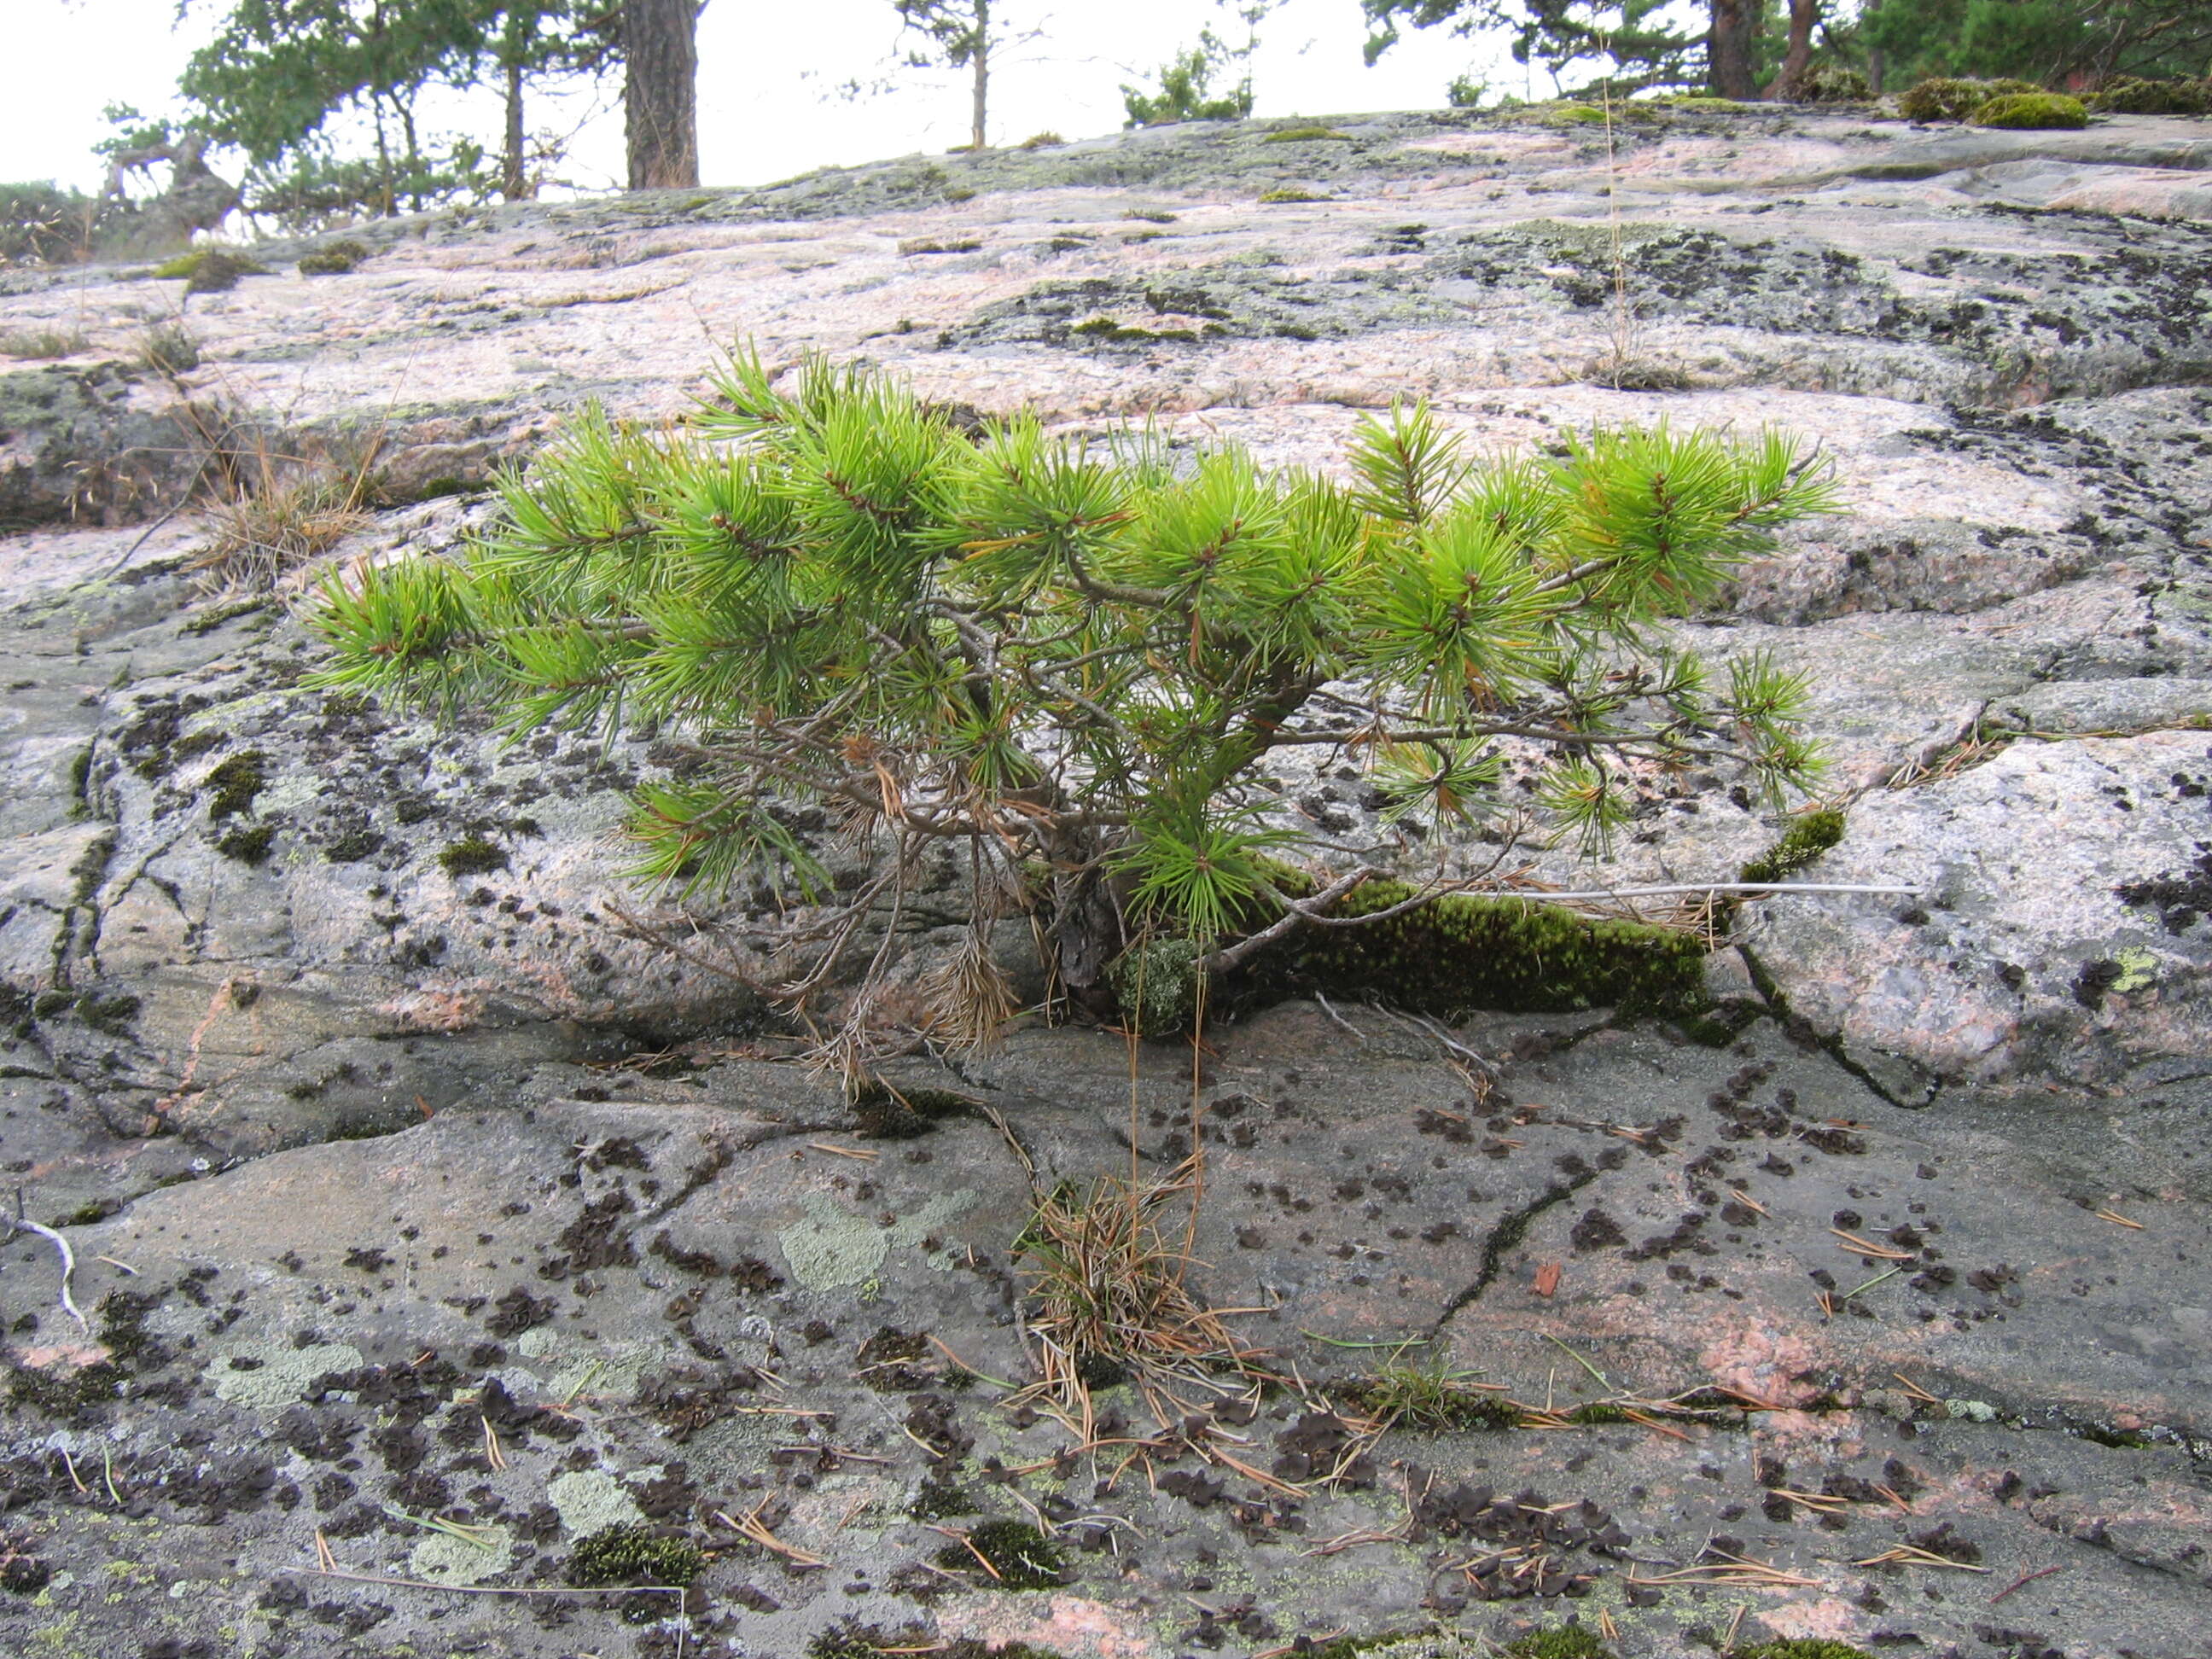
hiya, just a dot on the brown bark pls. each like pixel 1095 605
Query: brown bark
pixel 659 95
pixel 1789 83
pixel 1734 26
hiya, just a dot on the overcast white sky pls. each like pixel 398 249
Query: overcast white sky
pixel 768 73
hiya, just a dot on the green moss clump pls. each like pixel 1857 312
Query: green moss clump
pixel 235 782
pixel 248 845
pixel 1803 1647
pixel 1149 216
pixel 1461 953
pixel 1575 115
pixel 1155 985
pixel 209 270
pixel 1288 193
pixel 633 1555
pixel 2032 111
pixel 1022 1558
pixel 472 855
pixel 1430 1397
pixel 1695 105
pixel 1832 83
pixel 72 1399
pixel 1951 97
pixel 1451 956
pixel 1105 328
pixel 333 258
pixel 883 1113
pixel 354 846
pixel 1809 835
pixel 2131 95
pixel 1562 1642
pixel 1304 134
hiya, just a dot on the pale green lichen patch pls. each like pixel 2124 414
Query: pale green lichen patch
pixel 832 1249
pixel 2138 969
pixel 275 1375
pixel 592 1500
pixel 443 1559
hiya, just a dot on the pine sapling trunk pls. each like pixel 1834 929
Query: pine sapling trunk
pixel 979 61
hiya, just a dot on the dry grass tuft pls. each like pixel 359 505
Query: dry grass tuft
pixel 1110 1301
pixel 38 343
pixel 270 528
pixel 970 998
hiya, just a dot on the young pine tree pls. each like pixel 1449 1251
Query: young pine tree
pixel 1071 659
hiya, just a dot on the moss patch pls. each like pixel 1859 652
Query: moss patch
pixel 234 783
pixel 2032 112
pixel 209 270
pixel 1809 835
pixel 1803 1647
pixel 1021 1557
pixel 1461 953
pixel 247 846
pixel 1304 134
pixel 1429 1397
pixel 2129 95
pixel 472 855
pixel 1288 193
pixel 633 1555
pixel 333 258
pixel 1953 98
pixel 884 1113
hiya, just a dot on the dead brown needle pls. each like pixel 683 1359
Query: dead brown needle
pixel 1914 1390
pixel 1911 1555
pixel 754 1527
pixel 2117 1218
pixel 1750 1203
pixel 493 1455
pixel 866 1155
pixel 1867 1246
pixel 961 1538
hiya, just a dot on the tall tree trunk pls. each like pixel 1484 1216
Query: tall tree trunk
pixel 384 161
pixel 979 61
pixel 1789 85
pixel 512 186
pixel 414 153
pixel 1735 26
pixel 1877 59
pixel 661 114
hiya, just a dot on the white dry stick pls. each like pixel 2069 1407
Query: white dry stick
pixel 68 1265
pixel 1543 896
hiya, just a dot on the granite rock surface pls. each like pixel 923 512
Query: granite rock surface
pixel 412 1176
